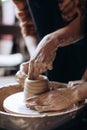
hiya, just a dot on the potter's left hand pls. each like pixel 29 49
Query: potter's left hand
pixel 43 57
pixel 54 100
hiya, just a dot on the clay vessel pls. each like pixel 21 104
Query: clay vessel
pixel 35 87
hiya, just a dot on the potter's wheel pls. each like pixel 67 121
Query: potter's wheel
pixel 15 104
pixel 19 120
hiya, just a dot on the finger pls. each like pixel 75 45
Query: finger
pixel 31 99
pixel 31 70
pixel 49 67
pixel 54 85
pixel 30 106
pixel 74 83
pixel 32 102
pixel 24 67
pixel 51 58
pixel 43 68
pixel 36 72
pixel 49 108
pixel 43 108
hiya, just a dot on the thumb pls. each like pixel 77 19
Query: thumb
pixel 54 85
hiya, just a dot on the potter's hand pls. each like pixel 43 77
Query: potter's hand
pixel 53 85
pixel 54 100
pixel 43 57
pixel 22 73
pixel 81 88
pixel 75 83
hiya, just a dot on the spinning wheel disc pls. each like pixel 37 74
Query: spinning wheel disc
pixel 15 104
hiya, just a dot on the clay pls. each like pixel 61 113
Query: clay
pixel 35 87
pixel 43 121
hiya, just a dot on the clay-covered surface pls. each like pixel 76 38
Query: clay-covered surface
pixel 43 121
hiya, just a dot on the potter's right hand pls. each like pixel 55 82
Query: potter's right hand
pixel 22 73
pixel 44 55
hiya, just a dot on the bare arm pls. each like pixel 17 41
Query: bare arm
pixel 82 91
pixel 71 33
pixel 80 88
pixel 26 24
pixel 42 61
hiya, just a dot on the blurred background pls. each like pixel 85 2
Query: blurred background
pixel 12 47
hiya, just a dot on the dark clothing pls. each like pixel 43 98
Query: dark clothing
pixel 46 16
pixel 70 62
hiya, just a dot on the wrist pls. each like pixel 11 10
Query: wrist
pixel 31 43
pixel 81 91
pixel 76 95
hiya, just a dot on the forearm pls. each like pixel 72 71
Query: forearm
pixel 26 24
pixel 82 90
pixel 31 43
pixel 24 16
pixel 71 33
